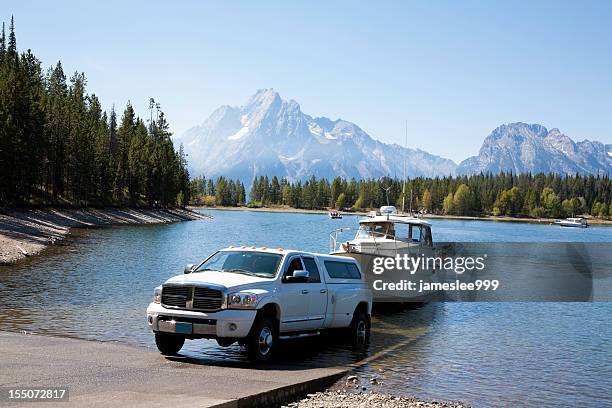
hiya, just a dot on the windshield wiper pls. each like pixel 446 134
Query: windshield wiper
pixel 245 272
pixel 238 270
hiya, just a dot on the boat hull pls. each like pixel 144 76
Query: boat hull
pixel 571 225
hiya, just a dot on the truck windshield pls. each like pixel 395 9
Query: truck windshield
pixel 254 263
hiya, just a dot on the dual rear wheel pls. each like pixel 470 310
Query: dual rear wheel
pixel 359 330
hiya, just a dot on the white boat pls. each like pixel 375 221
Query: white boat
pixel 388 209
pixel 576 222
pixel 387 236
pixel 333 214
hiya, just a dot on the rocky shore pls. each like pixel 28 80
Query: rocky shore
pixel 354 391
pixel 344 399
pixel 26 232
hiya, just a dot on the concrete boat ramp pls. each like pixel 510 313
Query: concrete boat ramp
pixel 111 375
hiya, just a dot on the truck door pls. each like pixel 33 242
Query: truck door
pixel 317 293
pixel 294 299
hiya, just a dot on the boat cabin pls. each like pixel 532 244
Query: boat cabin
pixel 395 228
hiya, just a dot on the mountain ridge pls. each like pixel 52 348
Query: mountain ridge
pixel 272 136
pixel 520 147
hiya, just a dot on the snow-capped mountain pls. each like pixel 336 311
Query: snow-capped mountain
pixel 271 136
pixel 521 147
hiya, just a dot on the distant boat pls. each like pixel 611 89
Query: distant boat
pixel 333 214
pixel 576 222
pixel 388 209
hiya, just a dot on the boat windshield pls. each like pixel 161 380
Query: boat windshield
pixel 411 233
pixel 254 263
pixel 376 230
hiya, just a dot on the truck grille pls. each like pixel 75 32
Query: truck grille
pixel 176 296
pixel 192 298
pixel 207 298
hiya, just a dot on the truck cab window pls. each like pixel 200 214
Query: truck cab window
pixel 294 265
pixel 311 267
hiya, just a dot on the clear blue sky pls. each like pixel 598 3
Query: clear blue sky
pixel 454 70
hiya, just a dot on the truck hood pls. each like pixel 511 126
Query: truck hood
pixel 227 279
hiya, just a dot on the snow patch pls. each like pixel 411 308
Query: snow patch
pixel 330 136
pixel 315 129
pixel 239 134
pixel 610 154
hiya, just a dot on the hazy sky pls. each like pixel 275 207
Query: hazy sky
pixel 455 70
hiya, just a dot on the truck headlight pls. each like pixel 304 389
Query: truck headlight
pixel 157 295
pixel 242 300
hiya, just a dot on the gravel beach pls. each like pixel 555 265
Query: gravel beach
pixel 26 232
pixel 344 399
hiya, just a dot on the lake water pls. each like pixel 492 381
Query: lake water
pixel 486 354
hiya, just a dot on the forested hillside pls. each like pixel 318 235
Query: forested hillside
pixel 59 146
pixel 525 195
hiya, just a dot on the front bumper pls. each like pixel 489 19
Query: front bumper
pixel 228 323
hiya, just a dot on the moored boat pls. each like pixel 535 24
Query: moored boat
pixel 333 214
pixel 575 222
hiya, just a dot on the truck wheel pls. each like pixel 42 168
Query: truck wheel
pixel 168 344
pixel 359 330
pixel 260 343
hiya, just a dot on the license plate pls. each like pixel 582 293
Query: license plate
pixel 183 328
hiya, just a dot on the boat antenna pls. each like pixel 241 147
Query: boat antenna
pixel 410 200
pixel 404 177
pixel 382 180
pixel 387 193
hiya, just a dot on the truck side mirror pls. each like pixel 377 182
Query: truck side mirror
pixel 299 276
pixel 188 268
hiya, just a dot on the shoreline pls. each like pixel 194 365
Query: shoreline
pixel 27 232
pixel 283 209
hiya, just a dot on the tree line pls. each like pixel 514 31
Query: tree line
pixel 58 146
pixel 522 195
pixel 222 191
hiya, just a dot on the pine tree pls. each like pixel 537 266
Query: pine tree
pixel 12 42
pixel 2 43
pixel 124 138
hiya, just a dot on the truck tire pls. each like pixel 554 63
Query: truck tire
pixel 359 330
pixel 169 345
pixel 262 340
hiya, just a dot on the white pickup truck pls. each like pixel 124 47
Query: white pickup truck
pixel 256 296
